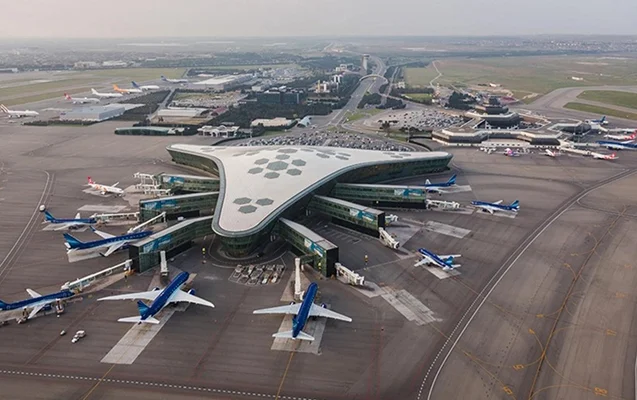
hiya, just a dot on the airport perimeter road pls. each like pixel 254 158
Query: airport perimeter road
pixel 550 323
pixel 552 104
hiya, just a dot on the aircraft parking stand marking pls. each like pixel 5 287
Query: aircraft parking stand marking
pixel 312 328
pixel 403 301
pixel 146 383
pixel 457 189
pixel 444 229
pixel 135 340
pixel 101 208
pixel 439 273
pixel 505 214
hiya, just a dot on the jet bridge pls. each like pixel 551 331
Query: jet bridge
pixel 185 205
pixel 173 240
pixel 187 183
pixel 365 219
pixel 322 253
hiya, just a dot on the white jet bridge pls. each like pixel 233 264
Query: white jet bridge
pixel 79 284
pixel 388 239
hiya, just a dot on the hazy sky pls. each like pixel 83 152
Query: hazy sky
pixel 218 18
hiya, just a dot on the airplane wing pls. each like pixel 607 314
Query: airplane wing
pixel 35 310
pixel 33 293
pixel 113 249
pixel 450 255
pixel 104 235
pixel 497 202
pixel 115 184
pixel 421 262
pixel 434 190
pixel 77 216
pixel 150 295
pixel 64 226
pixel 180 295
pixel 318 311
pixel 291 309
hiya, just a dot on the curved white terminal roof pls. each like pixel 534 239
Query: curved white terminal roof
pixel 260 182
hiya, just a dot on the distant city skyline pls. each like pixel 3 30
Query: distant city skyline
pixel 281 18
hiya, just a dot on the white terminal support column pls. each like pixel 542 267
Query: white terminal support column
pixel 390 219
pixel 145 178
pixel 163 265
pixel 388 239
pixel 298 292
pixel 352 277
pixel 118 216
pixel 153 220
pixel 81 283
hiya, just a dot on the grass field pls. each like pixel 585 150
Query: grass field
pixel 60 85
pixel 139 74
pixel 616 98
pixel 601 110
pixel 363 114
pixel 42 96
pixel 528 74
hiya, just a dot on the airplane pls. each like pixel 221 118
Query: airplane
pixel 163 78
pixel 126 91
pixel 436 187
pixel 627 145
pixel 629 138
pixel 113 242
pixel 160 299
pixel 511 153
pixel 444 262
pixel 105 188
pixel 497 206
pixel 68 223
pixel 302 312
pixel 605 156
pixel 18 114
pixel 36 302
pixel 81 100
pixel 144 87
pixel 105 95
pixel 601 121
pixel 550 153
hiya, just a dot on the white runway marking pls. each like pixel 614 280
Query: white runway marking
pixel 409 306
pixel 444 229
pixel 457 189
pixel 52 227
pixel 439 273
pixel 101 208
pixel 75 256
pixel 505 214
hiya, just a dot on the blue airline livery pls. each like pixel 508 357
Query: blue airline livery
pixel 68 223
pixel 36 302
pixel 444 262
pixel 439 187
pixel 627 145
pixel 496 206
pixel 302 312
pixel 113 242
pixel 160 299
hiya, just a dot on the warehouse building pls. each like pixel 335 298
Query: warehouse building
pixel 93 113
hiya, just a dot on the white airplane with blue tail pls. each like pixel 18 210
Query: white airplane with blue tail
pixel 444 262
pixel 496 206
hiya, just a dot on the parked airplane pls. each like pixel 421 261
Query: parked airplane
pixel 497 206
pixel 627 145
pixel 81 100
pixel 105 95
pixel 630 137
pixel 36 302
pixel 68 223
pixel 163 78
pixel 444 262
pixel 105 188
pixel 160 299
pixel 113 242
pixel 511 153
pixel 550 153
pixel 302 312
pixel 437 187
pixel 602 121
pixel 126 91
pixel 605 156
pixel 18 113
pixel 144 87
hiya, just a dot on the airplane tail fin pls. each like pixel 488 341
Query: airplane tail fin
pixel 452 180
pixel 115 87
pixel 48 216
pixel 139 320
pixel 288 335
pixel 515 204
pixel 143 308
pixel 4 109
pixel 2 303
pixel 449 261
pixel 71 242
pixel 66 96
pixel 90 180
pixel 135 85
pixel 427 182
pixel 93 91
pixel 163 78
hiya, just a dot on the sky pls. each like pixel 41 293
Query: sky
pixel 236 18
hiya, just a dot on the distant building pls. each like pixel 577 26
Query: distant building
pixel 281 96
pixel 95 113
pixel 218 131
pixel 272 123
pixel 365 62
pixel 226 82
pixel 86 65
pixel 175 112
pixel 114 64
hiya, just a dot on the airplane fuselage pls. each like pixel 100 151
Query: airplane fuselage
pixel 618 145
pixel 88 221
pixel 108 242
pixel 433 258
pixel 502 207
pixel 36 301
pixel 298 322
pixel 164 297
